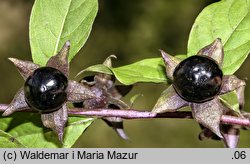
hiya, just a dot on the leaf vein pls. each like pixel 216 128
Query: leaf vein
pixel 61 30
pixel 235 28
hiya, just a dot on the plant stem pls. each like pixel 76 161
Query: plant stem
pixel 135 114
pixel 127 114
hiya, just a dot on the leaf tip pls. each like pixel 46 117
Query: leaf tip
pixel 65 48
pixel 13 60
pixel 171 62
pixel 9 110
pixel 60 137
pixel 67 43
pixel 108 61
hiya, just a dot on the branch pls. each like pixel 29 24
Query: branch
pixel 135 114
pixel 127 114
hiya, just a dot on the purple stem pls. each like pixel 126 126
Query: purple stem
pixel 135 114
pixel 225 119
pixel 127 114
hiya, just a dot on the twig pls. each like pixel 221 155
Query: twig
pixel 135 114
pixel 127 114
pixel 225 119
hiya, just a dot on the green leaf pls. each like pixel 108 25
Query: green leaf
pixel 54 22
pixel 147 70
pixel 100 68
pixel 27 129
pixel 228 20
pixel 230 100
pixel 8 141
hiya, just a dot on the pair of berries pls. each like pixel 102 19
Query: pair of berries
pixel 196 79
pixel 198 82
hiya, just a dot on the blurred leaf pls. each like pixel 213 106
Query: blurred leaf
pixel 52 23
pixel 230 100
pixel 100 68
pixel 147 70
pixel 8 141
pixel 28 130
pixel 228 20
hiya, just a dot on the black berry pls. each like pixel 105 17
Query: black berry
pixel 45 89
pixel 197 79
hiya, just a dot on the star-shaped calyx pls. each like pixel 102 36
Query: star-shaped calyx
pixel 109 96
pixel 47 90
pixel 198 82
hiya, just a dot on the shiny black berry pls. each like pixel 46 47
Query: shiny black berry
pixel 45 89
pixel 197 79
